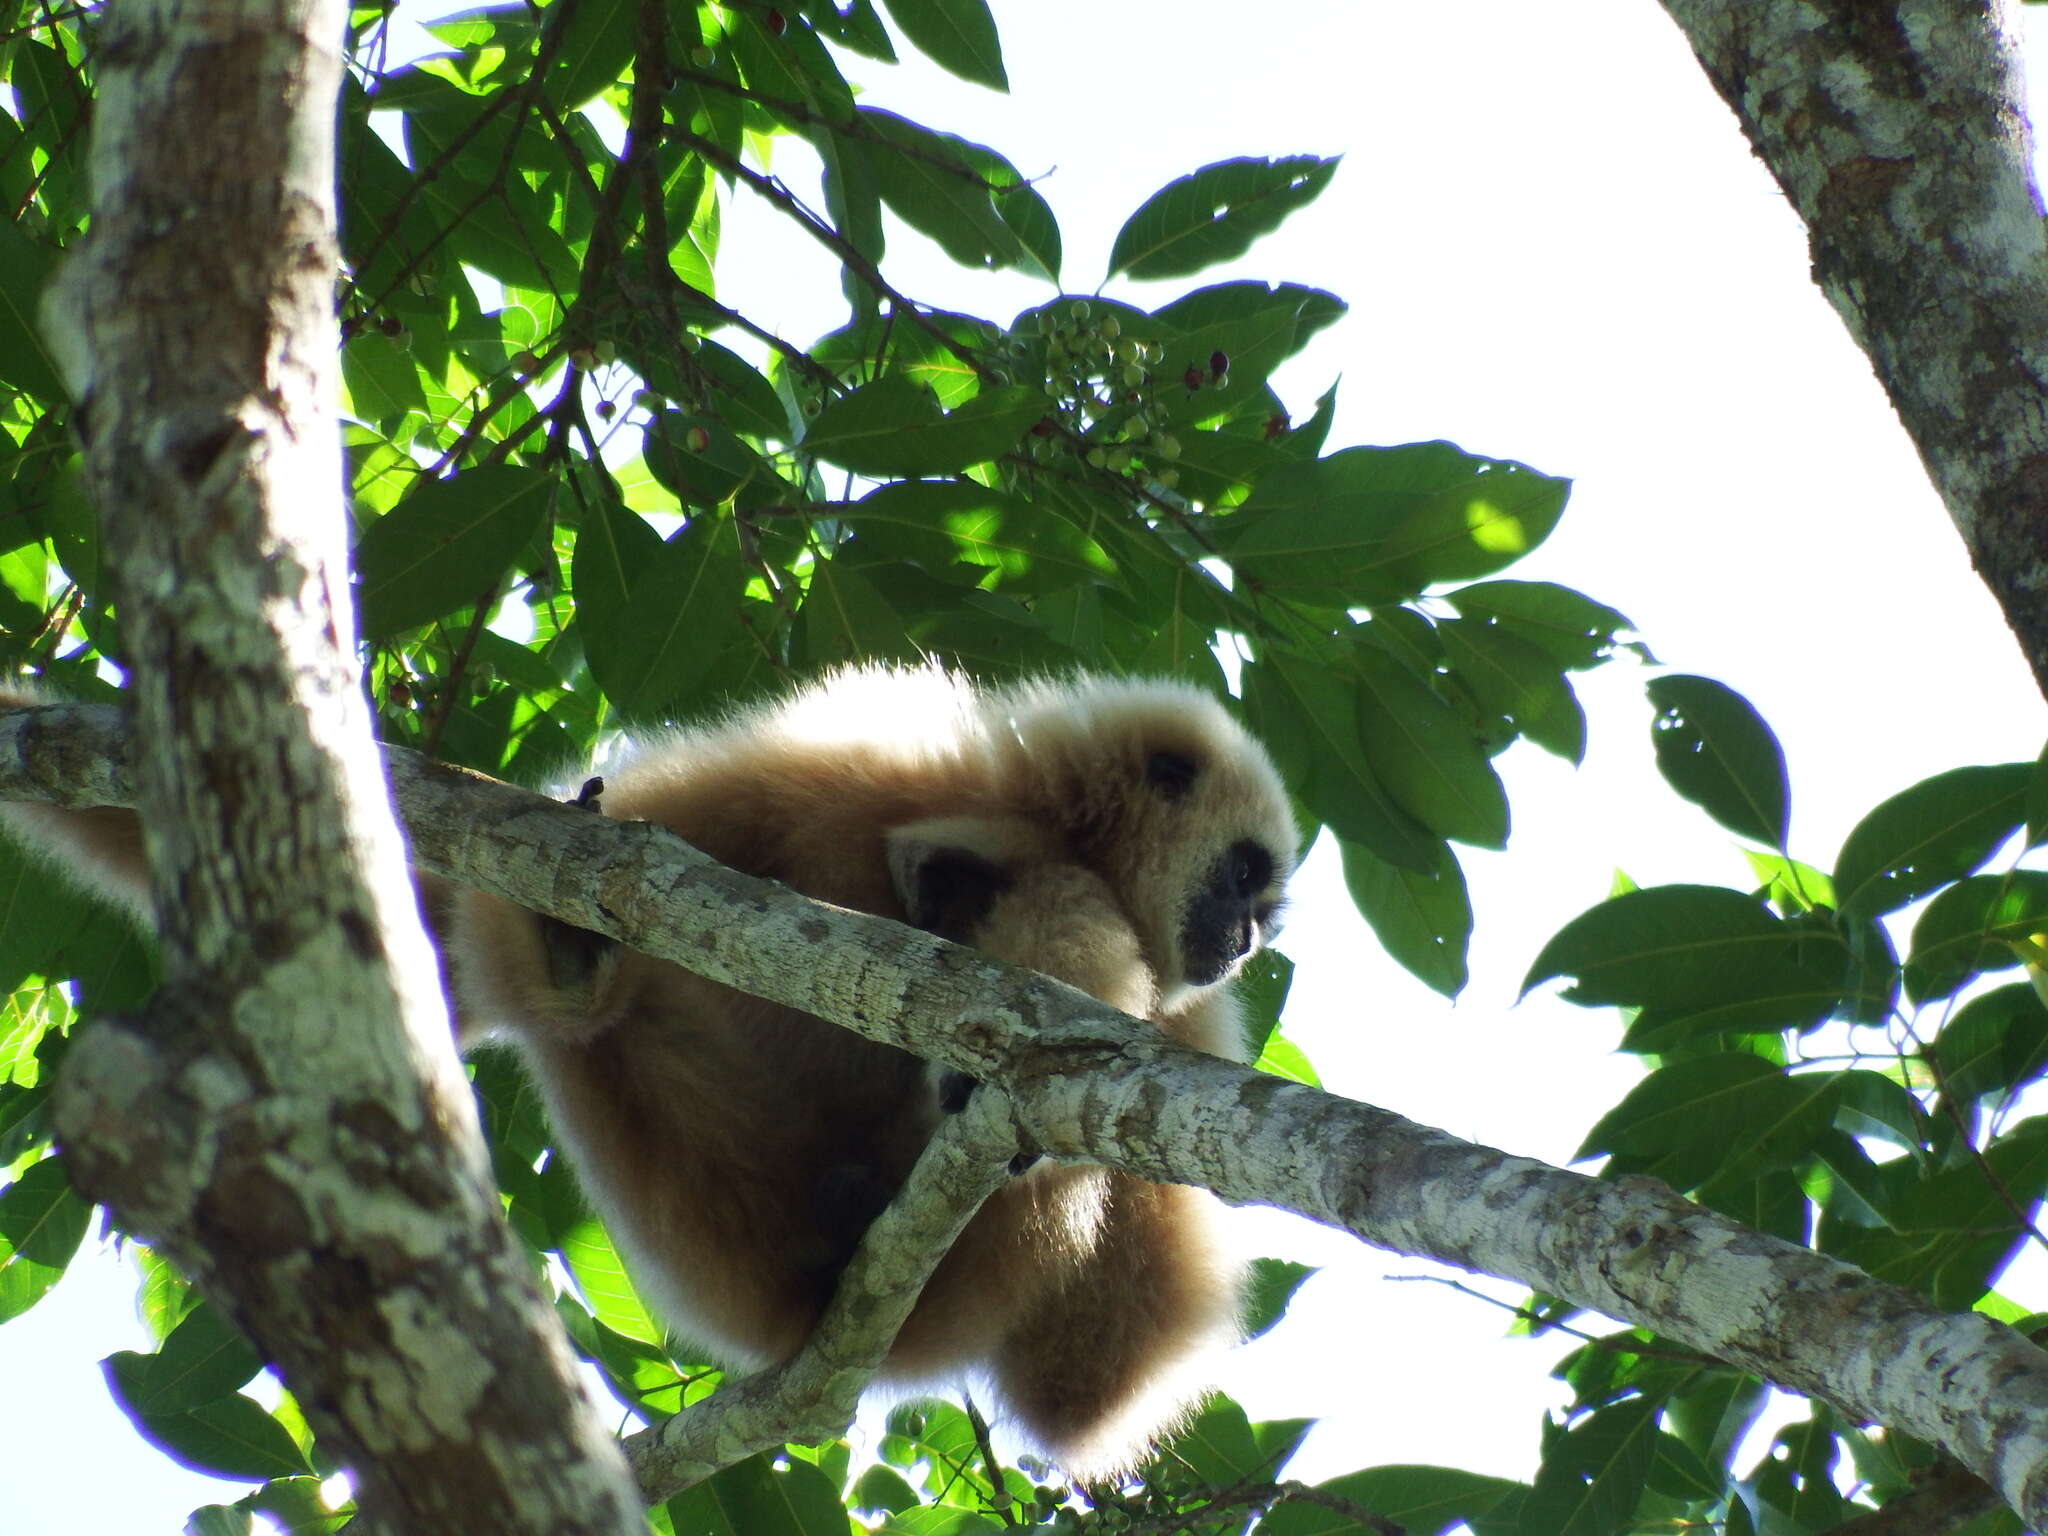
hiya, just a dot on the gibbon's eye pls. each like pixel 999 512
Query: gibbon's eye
pixel 1171 773
pixel 1250 868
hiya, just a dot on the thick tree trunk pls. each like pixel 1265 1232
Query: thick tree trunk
pixel 1897 128
pixel 289 1121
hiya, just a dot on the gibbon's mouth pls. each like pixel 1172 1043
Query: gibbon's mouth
pixel 1218 934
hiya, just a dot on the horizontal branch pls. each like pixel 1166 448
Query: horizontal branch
pixel 1090 1084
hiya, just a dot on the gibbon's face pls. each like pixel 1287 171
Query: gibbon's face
pixel 1161 793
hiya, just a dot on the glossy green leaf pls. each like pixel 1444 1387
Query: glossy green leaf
pixel 602 1281
pixel 232 1437
pixel 958 35
pixel 1367 526
pixel 1218 1446
pixel 42 1221
pixel 963 195
pixel 1516 680
pixel 25 360
pixel 1271 1287
pixel 1971 928
pixel 448 545
pixel 1719 1116
pixel 1593 1475
pixel 595 45
pixel 1996 1044
pixel 1423 919
pixel 1422 1501
pixel 681 616
pixel 1682 947
pixel 891 427
pixel 204 1359
pixel 1426 754
pixel 1215 214
pixel 1575 630
pixel 1714 749
pixel 1939 830
pixel 1307 717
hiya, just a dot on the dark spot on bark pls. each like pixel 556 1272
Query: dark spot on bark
pixel 814 929
pixel 360 932
pixel 256 1212
pixel 200 451
pixel 1632 1237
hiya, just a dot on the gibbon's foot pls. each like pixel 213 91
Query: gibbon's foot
pixel 574 954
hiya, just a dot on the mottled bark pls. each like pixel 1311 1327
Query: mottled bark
pixel 1089 1084
pixel 288 1121
pixel 1897 130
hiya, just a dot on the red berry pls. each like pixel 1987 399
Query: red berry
pixel 1192 378
pixel 1219 365
pixel 697 439
pixel 607 409
pixel 777 23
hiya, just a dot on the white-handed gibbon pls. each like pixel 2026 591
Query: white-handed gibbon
pixel 1126 837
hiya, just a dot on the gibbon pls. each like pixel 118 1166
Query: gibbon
pixel 1126 837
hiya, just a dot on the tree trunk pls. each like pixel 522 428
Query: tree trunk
pixel 1898 131
pixel 289 1121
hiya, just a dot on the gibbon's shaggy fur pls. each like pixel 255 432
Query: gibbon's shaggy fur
pixel 1125 837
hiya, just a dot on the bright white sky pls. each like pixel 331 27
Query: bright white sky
pixel 1558 249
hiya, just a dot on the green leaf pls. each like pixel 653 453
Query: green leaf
pixel 1683 947
pixel 1307 717
pixel 1423 1501
pixel 204 1359
pixel 42 1220
pixel 1218 1446
pixel 706 464
pixel 745 401
pixel 1725 1116
pixel 1576 631
pixel 1995 1045
pixel 1371 526
pixel 595 46
pixel 448 545
pixel 1271 1287
pixel 1421 918
pixel 25 362
pixel 1593 1476
pixel 844 619
pixel 602 1281
pixel 682 616
pixel 893 428
pixel 1716 751
pixel 1937 831
pixel 1970 928
pixel 232 1437
pixel 964 195
pixel 1426 755
pixel 1516 680
pixel 956 35
pixel 1214 214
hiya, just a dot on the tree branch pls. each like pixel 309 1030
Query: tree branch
pixel 1898 132
pixel 1092 1085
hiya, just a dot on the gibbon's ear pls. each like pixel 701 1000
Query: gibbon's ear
pixel 948 871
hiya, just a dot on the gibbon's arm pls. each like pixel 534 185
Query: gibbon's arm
pixel 99 848
pixel 1002 885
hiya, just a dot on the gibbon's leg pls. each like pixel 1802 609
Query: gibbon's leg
pixel 1104 1364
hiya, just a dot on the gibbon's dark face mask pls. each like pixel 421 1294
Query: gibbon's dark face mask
pixel 1228 914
